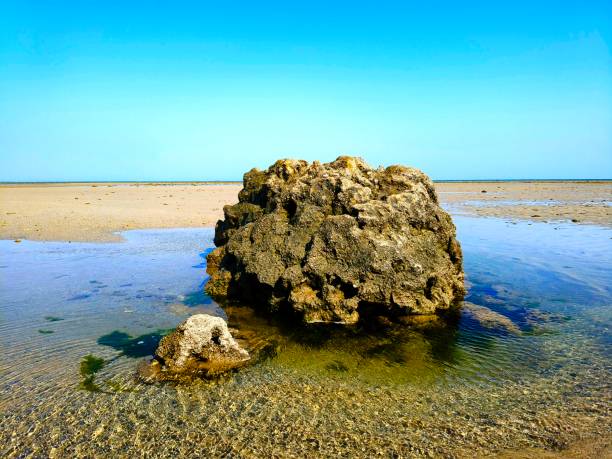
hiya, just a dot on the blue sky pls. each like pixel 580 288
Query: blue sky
pixel 207 90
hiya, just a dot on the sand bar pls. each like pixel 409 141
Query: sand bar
pixel 97 211
pixel 577 202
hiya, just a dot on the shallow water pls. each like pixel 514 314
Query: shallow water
pixel 460 388
pixel 550 202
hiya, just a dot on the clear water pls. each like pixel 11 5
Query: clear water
pixel 463 388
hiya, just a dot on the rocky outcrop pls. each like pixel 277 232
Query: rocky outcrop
pixel 202 345
pixel 333 242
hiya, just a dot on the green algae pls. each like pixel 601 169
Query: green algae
pixel 90 365
pixel 89 385
pixel 53 319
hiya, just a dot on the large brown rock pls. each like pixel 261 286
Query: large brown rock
pixel 333 242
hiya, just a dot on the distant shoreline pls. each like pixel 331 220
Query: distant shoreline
pixel 97 211
pixel 110 183
pixel 234 182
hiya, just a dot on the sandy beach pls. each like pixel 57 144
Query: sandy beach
pixel 577 202
pixel 98 211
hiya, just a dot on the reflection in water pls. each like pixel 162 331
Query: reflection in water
pixel 527 366
pixel 381 353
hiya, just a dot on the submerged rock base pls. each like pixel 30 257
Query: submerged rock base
pixel 334 242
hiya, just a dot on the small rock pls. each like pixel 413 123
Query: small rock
pixel 201 346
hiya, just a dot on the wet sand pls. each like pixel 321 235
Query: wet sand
pixel 95 212
pixel 577 202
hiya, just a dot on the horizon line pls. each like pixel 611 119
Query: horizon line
pixel 153 182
